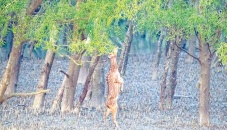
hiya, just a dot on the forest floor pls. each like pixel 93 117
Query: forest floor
pixel 138 103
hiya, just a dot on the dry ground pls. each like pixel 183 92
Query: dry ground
pixel 138 103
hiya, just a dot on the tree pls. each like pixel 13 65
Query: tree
pixel 94 62
pixel 172 18
pixel 43 81
pixel 201 18
pixel 89 21
pixel 21 22
pixel 158 55
pixel 192 43
pixel 98 85
pixel 208 24
pixel 126 49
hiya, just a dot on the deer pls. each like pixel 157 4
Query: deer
pixel 115 85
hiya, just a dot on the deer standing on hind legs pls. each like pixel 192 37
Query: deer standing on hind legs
pixel 115 84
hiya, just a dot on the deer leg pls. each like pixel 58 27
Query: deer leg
pixel 106 114
pixel 114 115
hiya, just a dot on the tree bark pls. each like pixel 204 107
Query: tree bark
pixel 167 47
pixel 69 84
pixel 14 59
pixel 126 49
pixel 191 49
pixel 164 78
pixel 43 80
pixel 15 55
pixel 48 62
pixel 158 57
pixel 173 73
pixel 204 99
pixel 98 85
pixel 92 67
pixel 4 82
pixel 58 97
pixel 66 92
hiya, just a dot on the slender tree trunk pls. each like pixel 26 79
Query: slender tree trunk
pixel 98 86
pixel 191 49
pixel 167 48
pixel 58 97
pixel 173 73
pixel 92 67
pixel 67 90
pixel 84 76
pixel 126 49
pixel 204 99
pixel 164 78
pixel 158 57
pixel 15 55
pixel 69 84
pixel 205 64
pixel 14 59
pixel 43 81
pixel 84 70
pixel 4 82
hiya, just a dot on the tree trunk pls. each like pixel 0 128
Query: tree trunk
pixel 84 70
pixel 4 82
pixel 93 64
pixel 15 55
pixel 126 49
pixel 43 81
pixel 191 49
pixel 167 47
pixel 173 73
pixel 58 97
pixel 69 84
pixel 98 86
pixel 204 99
pixel 14 61
pixel 67 90
pixel 164 78
pixel 158 57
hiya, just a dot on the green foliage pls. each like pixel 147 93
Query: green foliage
pixel 208 20
pixel 10 12
pixel 175 18
pixel 222 52
pixel 99 20
pixel 149 16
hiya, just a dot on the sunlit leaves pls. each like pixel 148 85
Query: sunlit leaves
pixel 100 20
pixel 10 12
pixel 222 52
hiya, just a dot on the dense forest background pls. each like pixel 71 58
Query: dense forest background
pixel 79 34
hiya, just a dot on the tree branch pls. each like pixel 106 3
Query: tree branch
pixel 64 73
pixel 188 53
pixel 23 95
